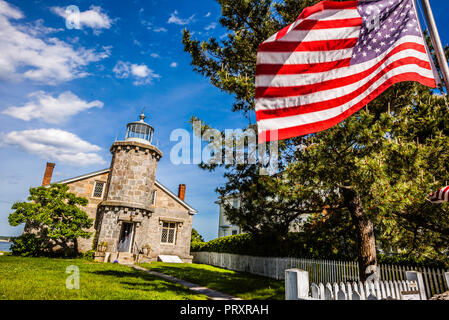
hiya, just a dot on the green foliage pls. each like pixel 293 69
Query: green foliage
pixel 88 255
pixel 407 260
pixel 196 237
pixel 231 244
pixel 54 215
pixel 196 240
pixel 27 245
pixel 293 245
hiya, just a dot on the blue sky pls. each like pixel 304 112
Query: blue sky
pixel 67 94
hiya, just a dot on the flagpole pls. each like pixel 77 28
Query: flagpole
pixel 436 42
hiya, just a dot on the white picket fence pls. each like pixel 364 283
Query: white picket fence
pixel 297 287
pixel 323 271
pixel 362 291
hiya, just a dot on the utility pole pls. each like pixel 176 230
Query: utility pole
pixel 436 42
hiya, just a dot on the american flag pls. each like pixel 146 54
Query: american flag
pixel 440 196
pixel 333 60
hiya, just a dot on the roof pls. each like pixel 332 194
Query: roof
pixel 158 184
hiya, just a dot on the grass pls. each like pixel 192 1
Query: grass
pixel 45 279
pixel 243 285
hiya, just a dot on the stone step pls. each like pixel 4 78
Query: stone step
pixel 126 258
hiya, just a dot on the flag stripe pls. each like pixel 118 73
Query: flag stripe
pixel 300 130
pixel 279 69
pixel 354 88
pixel 290 79
pixel 333 14
pixel 331 108
pixel 323 12
pixel 328 24
pixel 315 35
pixel 298 57
pixel 328 45
pixel 264 105
pixel 330 81
pixel 327 5
pixel 440 196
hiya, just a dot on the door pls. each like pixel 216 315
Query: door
pixel 126 237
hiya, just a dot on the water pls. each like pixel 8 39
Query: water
pixel 4 246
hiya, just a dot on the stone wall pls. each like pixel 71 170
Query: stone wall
pixel 84 188
pixel 153 233
pixel 148 227
pixel 133 173
pixel 111 224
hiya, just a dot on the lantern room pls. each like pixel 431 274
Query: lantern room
pixel 139 131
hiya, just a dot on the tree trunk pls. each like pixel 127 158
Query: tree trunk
pixel 366 240
pixel 75 247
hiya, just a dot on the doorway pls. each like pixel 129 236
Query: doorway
pixel 126 237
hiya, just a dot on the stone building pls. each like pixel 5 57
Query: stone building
pixel 135 216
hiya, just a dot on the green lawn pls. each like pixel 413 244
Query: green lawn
pixel 239 284
pixel 45 279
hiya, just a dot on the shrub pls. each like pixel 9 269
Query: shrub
pixel 247 244
pixel 89 255
pixel 27 245
pixel 407 260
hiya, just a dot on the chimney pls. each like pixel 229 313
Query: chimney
pixel 182 192
pixel 48 174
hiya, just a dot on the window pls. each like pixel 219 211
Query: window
pixel 153 201
pixel 234 232
pixel 168 232
pixel 98 189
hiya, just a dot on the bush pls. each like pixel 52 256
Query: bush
pixel 27 245
pixel 196 246
pixel 406 260
pixel 267 246
pixel 89 255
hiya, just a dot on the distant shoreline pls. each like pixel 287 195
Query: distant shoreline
pixel 1 240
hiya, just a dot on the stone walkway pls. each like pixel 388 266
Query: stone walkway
pixel 212 294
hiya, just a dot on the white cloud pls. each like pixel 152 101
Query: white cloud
pixel 174 64
pixel 94 18
pixel 141 73
pixel 54 145
pixel 155 55
pixel 26 54
pixel 37 28
pixel 213 25
pixel 161 29
pixel 51 109
pixel 177 20
pixel 207 15
pixel 9 11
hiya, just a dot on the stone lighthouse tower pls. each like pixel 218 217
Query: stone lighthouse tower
pixel 128 200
